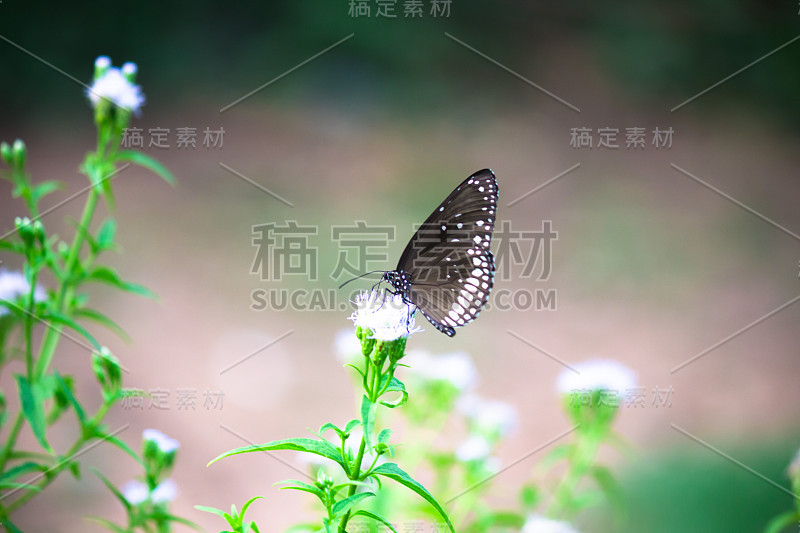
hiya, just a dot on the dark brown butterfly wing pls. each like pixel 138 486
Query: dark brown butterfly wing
pixel 448 260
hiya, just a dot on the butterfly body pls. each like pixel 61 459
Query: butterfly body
pixel 447 268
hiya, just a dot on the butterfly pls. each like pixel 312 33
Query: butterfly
pixel 447 270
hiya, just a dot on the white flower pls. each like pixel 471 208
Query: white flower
pixel 474 448
pixel 102 62
pixel 165 492
pixel 539 524
pixel 135 492
pixel 129 69
pixel 489 415
pixel 347 345
pixel 597 374
pixel 114 86
pixel 385 314
pixel 455 368
pixel 165 444
pixel 14 286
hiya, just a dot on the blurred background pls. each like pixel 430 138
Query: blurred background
pixel 651 266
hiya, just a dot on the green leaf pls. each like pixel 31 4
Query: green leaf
pixel 20 486
pixel 43 189
pixel 32 402
pixel 395 473
pixel 395 385
pixel 376 517
pixel 75 469
pixel 232 521
pixel 113 489
pixel 79 412
pixel 14 247
pixel 353 424
pixel 119 444
pixel 10 526
pixel 23 468
pixel 326 427
pixel 384 436
pixel 558 453
pixel 212 510
pixel 108 191
pixel 108 524
pixel 103 320
pixel 529 496
pixel 111 277
pixel 304 487
pixel 184 521
pixel 322 448
pixel 363 376
pixel 143 160
pixel 66 321
pixel 247 504
pixel 782 521
pixel 368 419
pixel 343 505
pixel 610 488
pixel 106 233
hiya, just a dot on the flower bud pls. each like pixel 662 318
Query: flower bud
pixel 381 448
pixel 101 65
pixel 25 230
pixel 324 481
pixel 62 402
pixel 38 231
pixel 5 153
pixel 107 371
pixel 129 70
pixel 18 153
pixel 165 492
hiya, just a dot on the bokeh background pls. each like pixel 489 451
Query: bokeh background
pixel 650 267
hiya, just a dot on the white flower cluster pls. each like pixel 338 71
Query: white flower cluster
pixel 385 314
pixel 595 375
pixel 14 286
pixel 455 368
pixel 165 444
pixel 490 416
pixel 136 492
pixel 489 421
pixel 115 85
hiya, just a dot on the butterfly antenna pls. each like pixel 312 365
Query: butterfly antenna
pixel 359 277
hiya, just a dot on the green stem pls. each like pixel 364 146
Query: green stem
pixel 52 474
pixel 355 473
pixel 29 329
pixel 65 294
pixel 10 441
pixel 355 476
pixel 582 457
